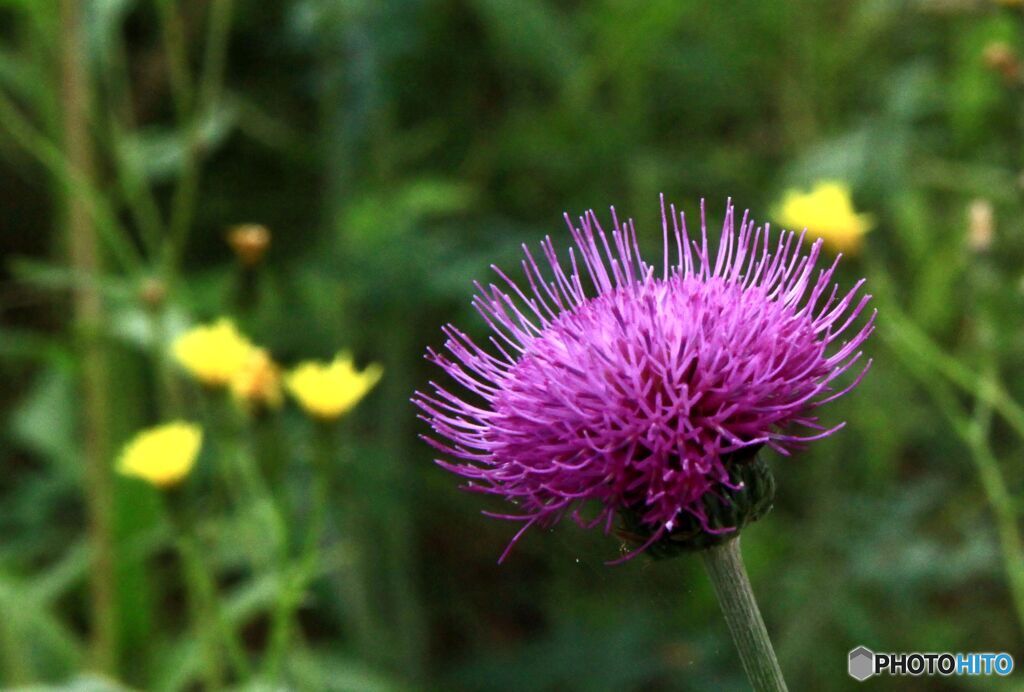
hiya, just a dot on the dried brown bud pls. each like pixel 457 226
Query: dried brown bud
pixel 152 292
pixel 1002 58
pixel 981 225
pixel 250 242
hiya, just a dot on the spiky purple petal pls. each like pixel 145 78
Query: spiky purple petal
pixel 633 390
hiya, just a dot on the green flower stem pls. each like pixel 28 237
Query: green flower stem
pixel 206 101
pixel 219 419
pixel 906 337
pixel 84 235
pixel 247 288
pixel 204 605
pixel 975 433
pixel 244 481
pixel 354 584
pixel 724 565
pixel 992 480
pixel 169 396
pixel 201 599
pixel 268 439
pixel 296 581
pixel 398 539
pixel 14 663
pixel 922 358
pixel 120 125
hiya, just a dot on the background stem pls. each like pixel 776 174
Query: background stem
pixel 88 307
pixel 1000 500
pixel 202 597
pixel 297 579
pixel 724 564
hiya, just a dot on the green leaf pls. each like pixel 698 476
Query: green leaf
pixel 336 673
pixel 81 683
pixel 157 153
pixel 531 35
pixel 44 422
pixel 59 278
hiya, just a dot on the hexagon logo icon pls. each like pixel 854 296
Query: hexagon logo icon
pixel 862 663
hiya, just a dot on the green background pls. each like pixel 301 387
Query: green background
pixel 395 150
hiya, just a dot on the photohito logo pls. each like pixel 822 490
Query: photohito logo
pixel 863 663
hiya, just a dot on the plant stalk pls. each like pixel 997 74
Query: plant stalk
pixel 724 565
pixel 297 579
pixel 202 599
pixel 88 311
pixel 201 105
pixel 1001 503
pixel 215 633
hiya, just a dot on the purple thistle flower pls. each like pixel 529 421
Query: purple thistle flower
pixel 638 392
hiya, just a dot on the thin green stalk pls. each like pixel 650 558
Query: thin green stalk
pixel 240 460
pixel 724 565
pixel 897 328
pixel 16 670
pixel 399 537
pixel 173 36
pixel 354 583
pixel 975 434
pixel 78 183
pixel 243 482
pixel 208 616
pixel 88 307
pixel 296 581
pixel 202 599
pixel 209 90
pixel 169 395
pixel 984 280
pixel 135 189
pixel 268 441
pixel 999 498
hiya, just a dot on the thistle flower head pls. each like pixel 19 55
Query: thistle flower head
pixel 827 212
pixel 329 390
pixel 610 380
pixel 163 455
pixel 213 353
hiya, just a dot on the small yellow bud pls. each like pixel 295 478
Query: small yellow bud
pixel 250 242
pixel 981 225
pixel 329 390
pixel 826 212
pixel 1000 57
pixel 163 455
pixel 213 353
pixel 152 292
pixel 257 383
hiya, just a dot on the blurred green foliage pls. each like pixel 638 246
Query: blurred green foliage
pixel 396 149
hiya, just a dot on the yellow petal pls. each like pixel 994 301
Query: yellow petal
pixel 827 212
pixel 162 455
pixel 212 353
pixel 329 390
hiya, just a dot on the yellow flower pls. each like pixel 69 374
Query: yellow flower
pixel 162 455
pixel 212 353
pixel 258 382
pixel 826 212
pixel 328 390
